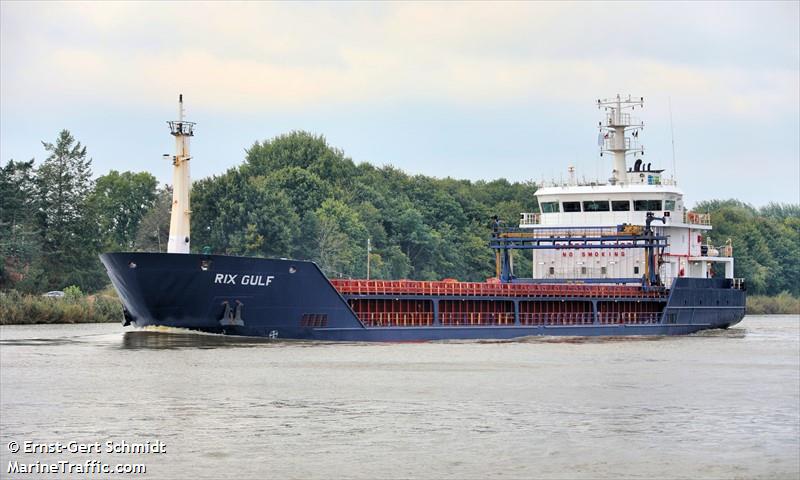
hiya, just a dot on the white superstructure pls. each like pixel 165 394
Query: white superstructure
pixel 180 218
pixel 626 198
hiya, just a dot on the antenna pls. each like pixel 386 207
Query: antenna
pixel 613 136
pixel 672 133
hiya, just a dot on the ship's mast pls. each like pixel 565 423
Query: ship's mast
pixel 613 137
pixel 179 240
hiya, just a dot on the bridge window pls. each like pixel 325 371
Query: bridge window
pixel 595 206
pixel 572 206
pixel 621 205
pixel 647 205
pixel 550 207
pixel 669 205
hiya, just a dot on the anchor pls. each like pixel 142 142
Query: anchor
pixel 232 316
pixel 127 318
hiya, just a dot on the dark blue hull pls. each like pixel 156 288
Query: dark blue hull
pixel 293 299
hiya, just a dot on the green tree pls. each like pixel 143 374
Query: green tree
pixel 306 190
pixel 121 200
pixel 241 215
pixel 338 240
pixel 18 236
pixel 392 264
pixel 418 241
pixel 152 234
pixel 69 229
pixel 781 211
pixel 296 149
pixel 766 243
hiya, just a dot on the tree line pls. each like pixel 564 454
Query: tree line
pixel 766 242
pixel 295 196
pixel 55 218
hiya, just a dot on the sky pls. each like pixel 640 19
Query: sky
pixel 467 90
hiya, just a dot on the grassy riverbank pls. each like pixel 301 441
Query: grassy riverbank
pixel 21 309
pixel 782 304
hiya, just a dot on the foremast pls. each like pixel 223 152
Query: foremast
pixel 180 218
pixel 613 136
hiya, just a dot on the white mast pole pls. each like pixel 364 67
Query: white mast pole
pixel 180 218
pixel 613 130
pixel 619 140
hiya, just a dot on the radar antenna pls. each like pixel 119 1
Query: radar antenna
pixel 613 136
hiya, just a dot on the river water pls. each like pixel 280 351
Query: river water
pixel 720 404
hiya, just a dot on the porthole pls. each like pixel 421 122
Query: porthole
pixel 292 269
pixel 132 265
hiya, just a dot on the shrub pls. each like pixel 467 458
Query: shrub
pixel 73 293
pixel 17 308
pixel 783 304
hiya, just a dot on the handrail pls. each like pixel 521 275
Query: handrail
pixel 396 319
pixel 696 218
pixel 476 318
pixel 556 318
pixel 530 218
pixel 486 289
pixel 628 317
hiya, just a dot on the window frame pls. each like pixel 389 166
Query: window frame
pixel 617 203
pixel 596 202
pixel 564 207
pixel 550 205
pixel 649 204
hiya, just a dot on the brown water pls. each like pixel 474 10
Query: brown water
pixel 720 404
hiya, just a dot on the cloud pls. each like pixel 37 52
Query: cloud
pixel 435 88
pixel 731 59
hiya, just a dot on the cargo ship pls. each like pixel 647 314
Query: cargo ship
pixel 615 258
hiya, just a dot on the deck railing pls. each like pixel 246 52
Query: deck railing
pixel 426 319
pixel 477 318
pixel 606 318
pixel 532 218
pixel 486 289
pixel 556 318
pixel 394 319
pixel 695 218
